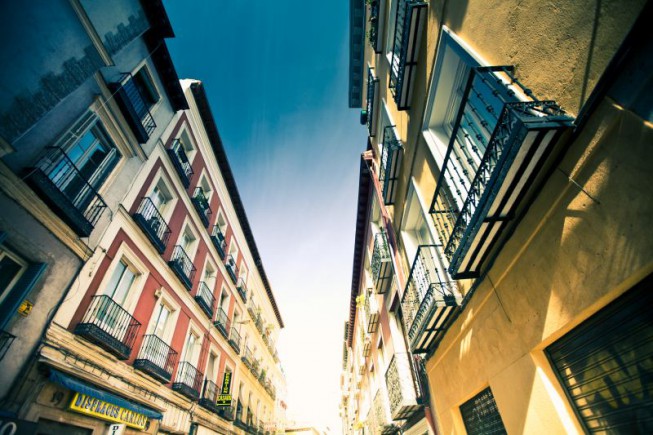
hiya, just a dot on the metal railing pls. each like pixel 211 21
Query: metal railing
pixel 232 270
pixel 372 88
pixel 181 162
pixel 210 395
pixel 222 322
pixel 234 339
pixel 135 108
pixel 494 103
pixel 391 156
pixel 188 380
pixel 109 325
pixel 69 191
pixel 248 358
pixel 242 288
pixel 156 357
pixel 373 32
pixel 404 391
pixel 150 219
pixel 201 203
pixel 219 241
pixel 182 265
pixel 205 298
pixel 381 261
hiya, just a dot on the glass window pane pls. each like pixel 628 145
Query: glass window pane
pixel 9 272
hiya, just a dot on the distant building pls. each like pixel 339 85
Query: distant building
pixel 504 215
pixel 123 227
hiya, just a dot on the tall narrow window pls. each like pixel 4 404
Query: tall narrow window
pixel 161 316
pixel 481 415
pixel 120 283
pixel 11 269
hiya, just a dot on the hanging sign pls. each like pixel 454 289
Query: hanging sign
pixel 224 398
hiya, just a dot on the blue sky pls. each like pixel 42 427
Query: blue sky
pixel 276 78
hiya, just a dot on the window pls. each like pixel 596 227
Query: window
pixel 187 241
pixel 145 85
pixel 452 66
pixel 191 349
pixel 481 415
pixel 415 230
pixel 162 314
pixel 206 188
pixel 390 34
pixel 222 223
pixel 224 300
pixel 211 367
pixel 161 197
pixel 120 283
pixel 11 269
pixel 605 365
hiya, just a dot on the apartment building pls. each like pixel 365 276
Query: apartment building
pixel 516 225
pixel 89 89
pixel 133 292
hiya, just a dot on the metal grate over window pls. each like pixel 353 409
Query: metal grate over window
pixel 606 365
pixel 481 415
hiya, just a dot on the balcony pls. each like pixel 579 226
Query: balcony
pixel 376 20
pixel 222 322
pixel 5 342
pixel 226 412
pixel 188 381
pixel 234 340
pixel 371 313
pixel 181 162
pixel 201 203
pixel 428 301
pixel 242 289
pixel 372 101
pixel 409 23
pixel 391 157
pixel 134 108
pixel 500 142
pixel 182 266
pixel 219 241
pixel 109 326
pixel 247 358
pixel 381 419
pixel 232 270
pixel 256 365
pixel 152 223
pixel 156 358
pixel 404 389
pixel 238 421
pixel 205 299
pixel 381 263
pixel 210 396
pixel 67 191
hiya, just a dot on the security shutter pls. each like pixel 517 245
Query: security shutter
pixel 606 365
pixel 481 415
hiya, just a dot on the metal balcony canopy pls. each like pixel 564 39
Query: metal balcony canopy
pixel 499 143
pixel 410 18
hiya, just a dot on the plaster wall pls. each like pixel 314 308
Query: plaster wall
pixel 574 252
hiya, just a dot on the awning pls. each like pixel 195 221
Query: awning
pixel 83 387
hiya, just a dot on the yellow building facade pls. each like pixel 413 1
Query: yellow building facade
pixel 511 145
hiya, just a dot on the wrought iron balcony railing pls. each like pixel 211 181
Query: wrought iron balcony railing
pixel 5 342
pixel 428 301
pixel 219 241
pixel 404 389
pixel 381 419
pixel 227 412
pixel 376 20
pixel 156 358
pixel 234 339
pixel 201 203
pixel 222 322
pixel 133 106
pixel 409 23
pixel 152 223
pixel 182 266
pixel 247 357
pixel 205 298
pixel 181 162
pixel 391 157
pixel 371 313
pixel 381 263
pixel 238 421
pixel 372 101
pixel 68 191
pixel 188 380
pixel 109 326
pixel 499 143
pixel 232 270
pixel 242 288
pixel 210 396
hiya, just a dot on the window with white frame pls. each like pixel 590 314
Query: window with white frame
pixel 222 223
pixel 414 227
pixel 161 323
pixel 12 268
pixel 188 241
pixel 212 367
pixel 121 281
pixel 191 348
pixel 206 187
pixel 162 197
pixel 390 33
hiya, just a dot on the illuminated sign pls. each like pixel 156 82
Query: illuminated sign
pixel 107 411
pixel 224 398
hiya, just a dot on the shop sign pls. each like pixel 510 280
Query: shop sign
pixel 107 411
pixel 224 398
pixel 13 426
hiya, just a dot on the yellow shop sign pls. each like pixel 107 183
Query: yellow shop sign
pixel 107 411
